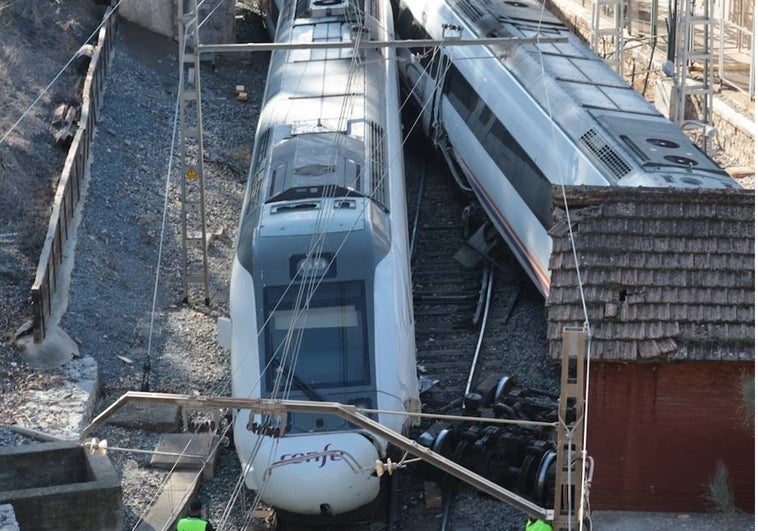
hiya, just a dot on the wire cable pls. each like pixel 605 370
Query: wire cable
pixel 580 285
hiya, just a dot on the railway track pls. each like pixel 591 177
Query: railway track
pixel 462 313
pixel 453 301
pixel 445 293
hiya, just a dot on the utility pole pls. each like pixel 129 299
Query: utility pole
pixel 569 466
pixel 194 231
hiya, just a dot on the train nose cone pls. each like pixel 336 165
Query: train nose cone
pixel 327 471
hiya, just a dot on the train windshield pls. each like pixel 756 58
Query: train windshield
pixel 325 344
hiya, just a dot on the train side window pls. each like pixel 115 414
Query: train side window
pixel 258 168
pixel 485 116
pixel 483 121
pixel 460 92
pixel 521 171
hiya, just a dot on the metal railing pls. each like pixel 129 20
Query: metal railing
pixel 733 23
pixel 69 186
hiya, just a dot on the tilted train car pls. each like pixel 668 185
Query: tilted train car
pixel 515 119
pixel 320 295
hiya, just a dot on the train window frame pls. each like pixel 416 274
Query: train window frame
pixel 353 358
pixel 459 92
pixel 534 188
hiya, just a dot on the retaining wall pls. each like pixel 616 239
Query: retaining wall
pixel 59 487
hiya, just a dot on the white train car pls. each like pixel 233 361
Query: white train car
pixel 320 295
pixel 513 120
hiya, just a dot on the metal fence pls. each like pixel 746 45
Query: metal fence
pixel 69 185
pixel 731 34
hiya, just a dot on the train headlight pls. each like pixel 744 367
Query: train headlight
pixel 312 266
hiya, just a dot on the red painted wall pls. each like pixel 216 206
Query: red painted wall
pixel 657 430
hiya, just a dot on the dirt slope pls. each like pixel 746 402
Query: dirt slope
pixel 36 40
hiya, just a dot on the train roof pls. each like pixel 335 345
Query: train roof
pixel 586 97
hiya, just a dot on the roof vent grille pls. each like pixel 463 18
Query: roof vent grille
pixel 470 10
pixel 377 163
pixel 598 146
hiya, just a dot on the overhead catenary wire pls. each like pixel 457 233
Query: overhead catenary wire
pixel 263 326
pixel 309 285
pixel 580 285
pixel 160 261
pixel 439 80
pixel 314 285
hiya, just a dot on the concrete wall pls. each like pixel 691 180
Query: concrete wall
pixel 60 486
pixel 161 17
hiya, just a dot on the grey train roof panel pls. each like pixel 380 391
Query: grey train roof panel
pixel 566 76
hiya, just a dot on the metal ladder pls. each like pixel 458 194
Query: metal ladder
pixel 694 42
pixel 615 31
pixel 567 511
pixel 194 232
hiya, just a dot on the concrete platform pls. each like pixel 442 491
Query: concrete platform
pixel 150 417
pixel 635 521
pixel 186 451
pixel 184 454
pixel 181 487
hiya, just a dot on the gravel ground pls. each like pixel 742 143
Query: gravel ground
pixel 113 286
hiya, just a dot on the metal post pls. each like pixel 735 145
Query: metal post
pixel 721 40
pixel 569 465
pixel 194 239
pixel 352 414
pixel 695 43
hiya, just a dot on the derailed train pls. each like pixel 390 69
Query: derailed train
pixel 320 295
pixel 513 120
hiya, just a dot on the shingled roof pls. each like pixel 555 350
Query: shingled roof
pixel 666 274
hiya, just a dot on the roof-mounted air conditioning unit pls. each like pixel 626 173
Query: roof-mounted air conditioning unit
pixel 327 8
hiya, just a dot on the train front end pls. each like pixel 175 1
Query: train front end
pixel 306 313
pixel 312 475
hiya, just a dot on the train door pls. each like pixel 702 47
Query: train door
pixel 420 86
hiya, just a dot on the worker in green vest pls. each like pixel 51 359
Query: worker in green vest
pixel 195 519
pixel 534 524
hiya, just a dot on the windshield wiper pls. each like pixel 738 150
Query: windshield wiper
pixel 309 391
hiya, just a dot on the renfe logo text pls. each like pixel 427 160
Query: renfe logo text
pixel 318 457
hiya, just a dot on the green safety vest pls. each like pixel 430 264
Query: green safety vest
pixel 191 523
pixel 538 525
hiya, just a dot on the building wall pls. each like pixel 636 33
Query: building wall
pixel 161 17
pixel 657 431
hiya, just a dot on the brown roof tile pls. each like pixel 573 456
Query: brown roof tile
pixel 667 274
